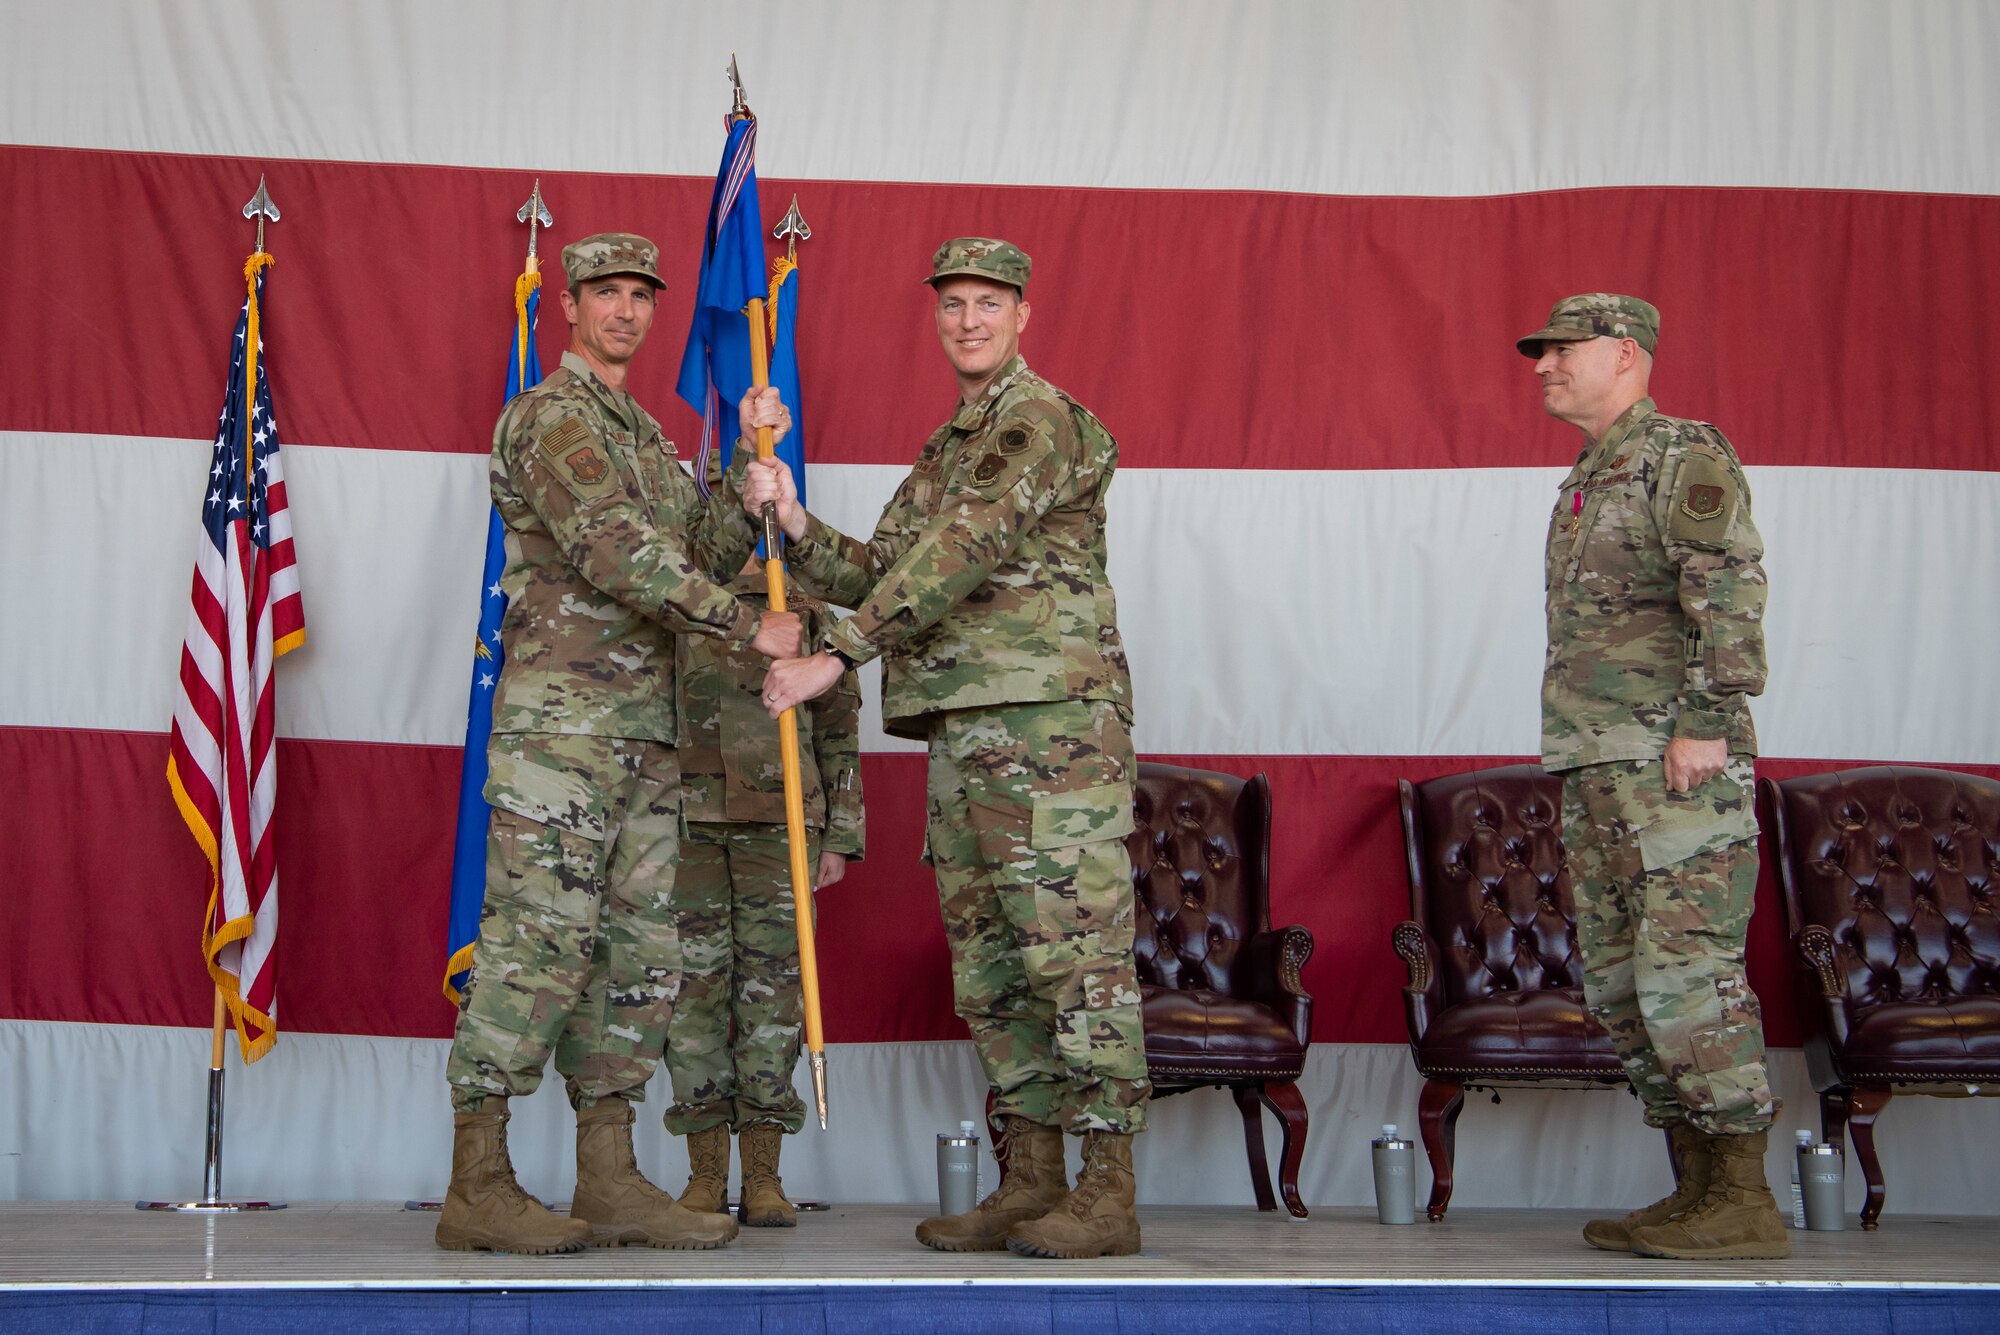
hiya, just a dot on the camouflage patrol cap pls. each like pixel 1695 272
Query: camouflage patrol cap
pixel 612 253
pixel 981 257
pixel 1595 315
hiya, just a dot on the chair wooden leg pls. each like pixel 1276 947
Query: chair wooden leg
pixel 1437 1116
pixel 1283 1098
pixel 1866 1104
pixel 1248 1102
pixel 1833 1109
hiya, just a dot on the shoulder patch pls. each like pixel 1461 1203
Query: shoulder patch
pixel 564 436
pixel 1703 506
pixel 578 460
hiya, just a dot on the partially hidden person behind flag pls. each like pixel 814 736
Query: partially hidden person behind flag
pixel 984 591
pixel 735 1037
pixel 468 857
pixel 1655 590
pixel 611 552
pixel 245 613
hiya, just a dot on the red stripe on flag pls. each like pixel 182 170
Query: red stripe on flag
pixel 371 898
pixel 1209 329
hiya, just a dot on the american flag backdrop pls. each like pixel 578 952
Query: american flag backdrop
pixel 244 612
pixel 1282 248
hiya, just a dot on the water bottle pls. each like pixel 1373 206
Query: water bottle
pixel 1804 1139
pixel 1824 1177
pixel 1395 1178
pixel 958 1170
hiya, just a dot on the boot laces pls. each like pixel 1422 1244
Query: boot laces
pixel 760 1155
pixel 503 1179
pixel 1019 1178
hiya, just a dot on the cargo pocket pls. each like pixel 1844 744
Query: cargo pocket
pixel 550 872
pixel 1062 820
pixel 1690 825
pixel 545 794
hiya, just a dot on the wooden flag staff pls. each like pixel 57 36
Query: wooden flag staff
pixel 788 748
pixel 788 722
pixel 259 207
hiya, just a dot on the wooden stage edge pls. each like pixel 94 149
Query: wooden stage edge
pixel 107 1247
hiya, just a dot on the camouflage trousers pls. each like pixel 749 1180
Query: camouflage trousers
pixel 735 1034
pixel 1664 883
pixel 577 951
pixel 1029 806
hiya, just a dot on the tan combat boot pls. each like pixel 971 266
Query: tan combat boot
pixel 486 1210
pixel 1034 1185
pixel 1615 1235
pixel 1736 1221
pixel 616 1200
pixel 1099 1218
pixel 708 1171
pixel 764 1204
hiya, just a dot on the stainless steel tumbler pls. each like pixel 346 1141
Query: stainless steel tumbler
pixel 1823 1179
pixel 958 1170
pixel 1395 1178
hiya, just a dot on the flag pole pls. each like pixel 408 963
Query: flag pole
pixel 788 749
pixel 259 207
pixel 788 722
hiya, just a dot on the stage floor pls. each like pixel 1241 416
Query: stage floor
pixel 61 1246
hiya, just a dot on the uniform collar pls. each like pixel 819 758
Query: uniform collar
pixel 971 416
pixel 1622 429
pixel 617 402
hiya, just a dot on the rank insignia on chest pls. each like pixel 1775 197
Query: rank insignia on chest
pixel 989 468
pixel 1703 501
pixel 586 465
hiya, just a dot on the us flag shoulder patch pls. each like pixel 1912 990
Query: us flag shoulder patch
pixel 563 437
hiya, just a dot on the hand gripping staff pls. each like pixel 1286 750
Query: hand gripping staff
pixel 788 746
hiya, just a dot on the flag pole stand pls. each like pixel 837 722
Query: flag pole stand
pixel 211 1201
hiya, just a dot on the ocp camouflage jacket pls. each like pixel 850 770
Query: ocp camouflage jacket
pixel 1655 596
pixel 985 581
pixel 610 550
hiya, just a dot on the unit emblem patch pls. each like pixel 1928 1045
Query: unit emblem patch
pixel 1704 501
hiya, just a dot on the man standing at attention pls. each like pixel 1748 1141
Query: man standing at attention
pixel 1655 608
pixel 984 591
pixel 610 552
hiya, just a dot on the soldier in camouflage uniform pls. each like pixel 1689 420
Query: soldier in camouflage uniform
pixel 610 551
pixel 1655 608
pixel 984 591
pixel 734 1039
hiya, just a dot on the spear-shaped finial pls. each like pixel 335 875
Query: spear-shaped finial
pixel 792 229
pixel 536 214
pixel 260 207
pixel 740 108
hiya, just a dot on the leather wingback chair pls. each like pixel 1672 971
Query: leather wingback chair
pixel 1495 993
pixel 1892 892
pixel 1222 999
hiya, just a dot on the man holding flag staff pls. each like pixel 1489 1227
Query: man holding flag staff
pixel 984 590
pixel 610 552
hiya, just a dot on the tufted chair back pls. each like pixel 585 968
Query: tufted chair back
pixel 1200 847
pixel 1220 990
pixel 1495 993
pixel 1902 867
pixel 1892 890
pixel 1489 882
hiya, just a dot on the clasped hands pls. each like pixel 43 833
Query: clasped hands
pixel 795 677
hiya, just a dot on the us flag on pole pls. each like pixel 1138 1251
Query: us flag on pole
pixel 244 613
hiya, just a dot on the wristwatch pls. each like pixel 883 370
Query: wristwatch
pixel 840 657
